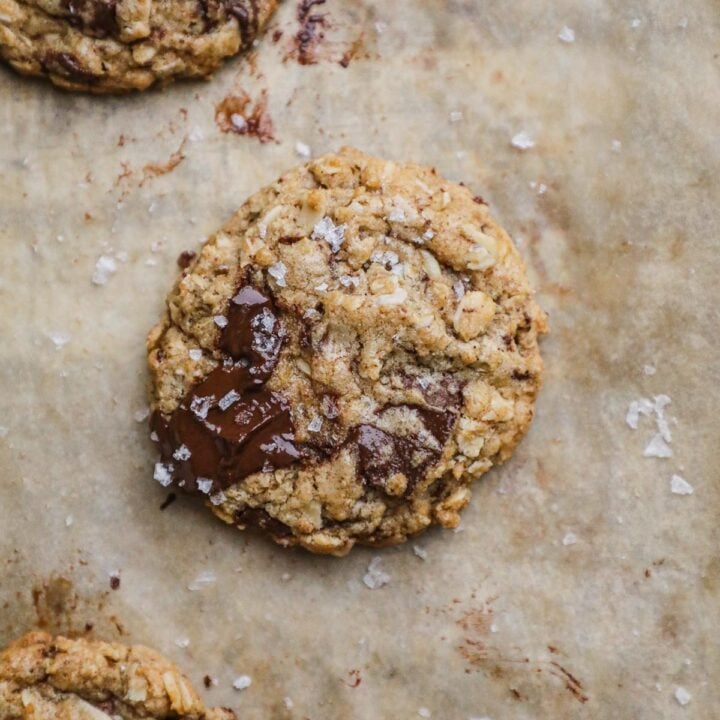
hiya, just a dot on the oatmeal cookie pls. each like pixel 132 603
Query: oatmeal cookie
pixel 43 677
pixel 110 46
pixel 345 356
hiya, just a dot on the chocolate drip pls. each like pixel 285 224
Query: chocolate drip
pixel 231 425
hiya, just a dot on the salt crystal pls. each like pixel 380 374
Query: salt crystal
pixel 201 405
pixel 657 448
pixel 141 414
pixel 616 146
pixel 428 234
pixel 459 289
pixel 195 135
pixel 195 354
pixel 238 121
pixel 242 682
pixel 104 268
pixel 423 712
pixel 649 369
pixel 396 215
pixel 315 425
pixel 218 498
pixel 59 338
pixel 182 453
pixel 680 486
pixel 221 321
pixel 302 149
pixel 635 23
pixel 682 695
pixel 380 28
pixel 69 521
pixel 278 271
pixel 154 436
pixel 569 539
pixel 285 576
pixel 638 407
pixel 421 552
pixel 522 141
pixel 207 577
pixel 456 116
pixel 375 577
pixel 322 287
pixel 289 704
pixel 229 399
pixel 163 473
pixel 333 235
pixel 183 642
pixel 349 281
pixel 204 485
pixel 567 34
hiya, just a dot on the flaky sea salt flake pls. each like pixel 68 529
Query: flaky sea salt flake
pixel 242 682
pixel 204 485
pixel 315 425
pixel 182 453
pixel 60 338
pixel 680 486
pixel 420 552
pixel 163 473
pixel 522 141
pixel 569 539
pixel 195 354
pixel 230 398
pixel 201 405
pixel 278 271
pixel 657 447
pixel 302 149
pixel 567 34
pixel 375 577
pixel 682 695
pixel 104 268
pixel 333 235
pixel 220 320
pixel 203 579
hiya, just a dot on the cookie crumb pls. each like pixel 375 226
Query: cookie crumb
pixel 567 34
pixel 104 268
pixel 375 577
pixel 682 695
pixel 522 141
pixel 114 581
pixel 680 486
pixel 242 682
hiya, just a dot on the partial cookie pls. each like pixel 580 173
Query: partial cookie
pixel 43 678
pixel 344 357
pixel 108 46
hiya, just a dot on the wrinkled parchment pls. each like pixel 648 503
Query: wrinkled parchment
pixel 580 585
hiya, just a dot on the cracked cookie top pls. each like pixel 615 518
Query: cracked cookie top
pixel 345 356
pixel 54 677
pixel 120 45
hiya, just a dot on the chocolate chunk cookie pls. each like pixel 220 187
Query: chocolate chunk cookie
pixel 42 677
pixel 345 356
pixel 106 46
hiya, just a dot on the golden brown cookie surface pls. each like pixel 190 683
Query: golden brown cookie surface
pixel 43 677
pixel 120 45
pixel 345 356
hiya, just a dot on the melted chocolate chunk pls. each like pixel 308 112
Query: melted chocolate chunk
pixel 382 455
pixel 185 258
pixel 246 13
pixel 97 18
pixel 230 425
pixel 68 65
pixel 259 518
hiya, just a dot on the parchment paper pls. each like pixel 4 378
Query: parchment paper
pixel 580 585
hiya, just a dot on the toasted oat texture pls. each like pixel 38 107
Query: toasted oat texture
pixel 54 678
pixel 112 46
pixel 344 357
